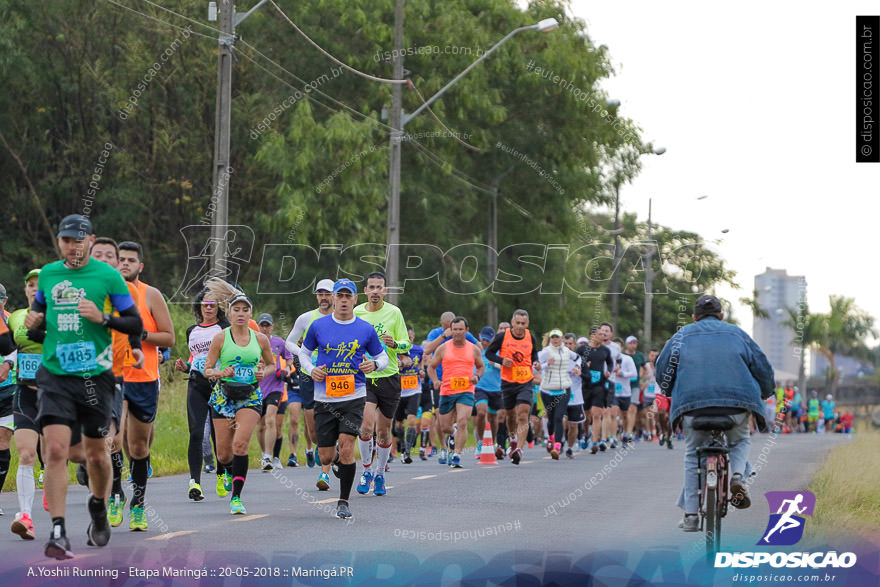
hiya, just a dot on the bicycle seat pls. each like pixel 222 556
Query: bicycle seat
pixel 709 423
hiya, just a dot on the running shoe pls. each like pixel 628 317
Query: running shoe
pixel 310 459
pixel 224 485
pixel 236 507
pixel 583 442
pixel 602 446
pixel 99 529
pixel 209 468
pixel 364 484
pixel 531 443
pixel 442 458
pixel 323 483
pixel 690 523
pixel 266 464
pixel 276 463
pixel 292 462
pixel 662 440
pixel 195 491
pixel 516 456
pixel 342 510
pixel 499 452
pixel 317 459
pixel 450 441
pixel 138 522
pixel 669 443
pixel 433 451
pixel 613 442
pixel 58 546
pixel 407 457
pixel 379 485
pixel 114 514
pixel 23 525
pixel 40 479
pixel 594 448
pixel 422 454
pixel 568 453
pixel 554 451
pixel 82 475
pixel 456 462
pixel 477 451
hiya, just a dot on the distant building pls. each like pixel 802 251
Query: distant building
pixel 777 292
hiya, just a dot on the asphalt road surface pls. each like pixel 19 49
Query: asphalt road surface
pixel 615 504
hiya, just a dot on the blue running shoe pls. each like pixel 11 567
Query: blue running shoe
pixel 364 484
pixel 310 459
pixel 379 485
pixel 602 445
pixel 594 447
pixel 583 442
pixel 442 458
pixel 456 462
pixel 323 483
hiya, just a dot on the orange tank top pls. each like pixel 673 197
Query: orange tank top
pixel 520 352
pixel 458 368
pixel 150 372
pixel 121 349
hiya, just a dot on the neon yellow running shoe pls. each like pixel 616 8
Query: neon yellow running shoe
pixel 114 513
pixel 236 507
pixel 138 521
pixel 224 485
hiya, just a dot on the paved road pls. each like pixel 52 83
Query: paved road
pixel 612 503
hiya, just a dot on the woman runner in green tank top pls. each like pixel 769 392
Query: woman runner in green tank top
pixel 245 358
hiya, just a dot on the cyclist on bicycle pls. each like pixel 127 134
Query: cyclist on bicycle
pixel 713 368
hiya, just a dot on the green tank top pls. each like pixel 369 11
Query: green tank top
pixel 813 407
pixel 243 359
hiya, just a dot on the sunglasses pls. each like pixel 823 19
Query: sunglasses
pixel 210 304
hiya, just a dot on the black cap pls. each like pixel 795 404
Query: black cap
pixel 75 226
pixel 707 305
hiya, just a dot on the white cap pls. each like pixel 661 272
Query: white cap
pixel 325 284
pixel 583 340
pixel 630 339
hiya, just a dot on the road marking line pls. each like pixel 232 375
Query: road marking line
pixel 424 477
pixel 249 518
pixel 171 535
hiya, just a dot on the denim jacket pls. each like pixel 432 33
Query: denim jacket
pixel 711 363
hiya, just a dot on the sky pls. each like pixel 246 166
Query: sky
pixel 755 105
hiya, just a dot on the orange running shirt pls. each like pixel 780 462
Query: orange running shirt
pixel 520 352
pixel 458 368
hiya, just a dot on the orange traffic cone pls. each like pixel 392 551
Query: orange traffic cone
pixel 487 454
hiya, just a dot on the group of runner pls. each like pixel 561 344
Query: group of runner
pixel 80 381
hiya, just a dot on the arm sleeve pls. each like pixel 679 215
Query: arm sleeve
pixel 305 351
pixel 534 347
pixel 381 360
pixel 128 322
pixel 542 358
pixel 608 361
pixel 39 305
pixel 292 342
pixel 494 347
pixel 7 344
pixel 631 370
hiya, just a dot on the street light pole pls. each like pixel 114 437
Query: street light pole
pixel 392 259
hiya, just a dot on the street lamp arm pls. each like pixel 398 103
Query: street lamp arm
pixel 407 117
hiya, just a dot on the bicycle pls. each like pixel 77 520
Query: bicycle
pixel 714 478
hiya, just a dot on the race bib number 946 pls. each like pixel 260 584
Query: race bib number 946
pixel 339 385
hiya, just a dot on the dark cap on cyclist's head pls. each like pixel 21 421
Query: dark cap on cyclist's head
pixel 707 304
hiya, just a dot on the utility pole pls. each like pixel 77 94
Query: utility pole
pixel 220 190
pixel 492 312
pixel 615 295
pixel 392 259
pixel 649 284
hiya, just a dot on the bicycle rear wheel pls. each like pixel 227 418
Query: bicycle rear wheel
pixel 713 521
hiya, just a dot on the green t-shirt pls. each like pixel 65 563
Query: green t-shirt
pixel 388 320
pixel 639 359
pixel 73 344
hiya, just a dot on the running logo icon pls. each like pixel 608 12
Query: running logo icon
pixel 786 526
